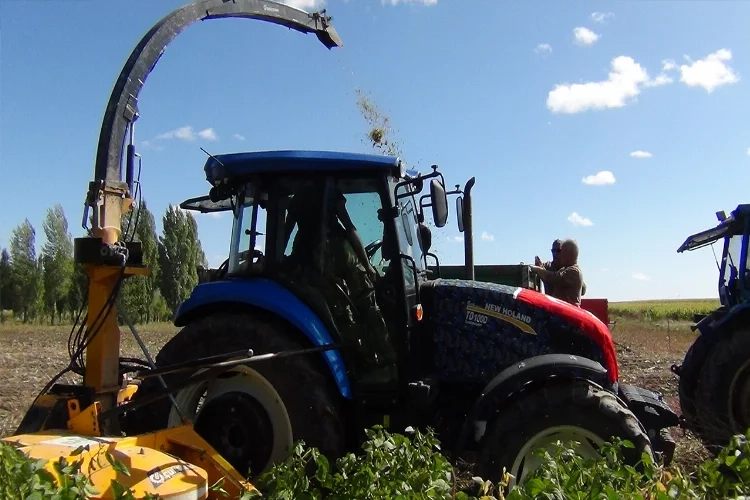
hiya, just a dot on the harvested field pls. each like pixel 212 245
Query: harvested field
pixel 646 350
pixel 30 355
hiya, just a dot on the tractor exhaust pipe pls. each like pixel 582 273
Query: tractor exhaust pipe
pixel 468 230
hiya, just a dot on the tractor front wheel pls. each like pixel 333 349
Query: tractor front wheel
pixel 567 412
pixel 723 391
pixel 251 414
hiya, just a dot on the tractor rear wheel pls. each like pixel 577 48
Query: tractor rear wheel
pixel 723 391
pixel 575 411
pixel 251 414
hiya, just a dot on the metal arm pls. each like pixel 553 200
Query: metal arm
pixel 107 191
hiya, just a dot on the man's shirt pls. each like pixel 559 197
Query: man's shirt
pixel 549 288
pixel 566 284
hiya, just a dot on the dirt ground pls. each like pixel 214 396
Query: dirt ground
pixel 31 355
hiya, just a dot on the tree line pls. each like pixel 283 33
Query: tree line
pixel 49 286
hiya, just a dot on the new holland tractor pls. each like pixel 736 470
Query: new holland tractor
pixel 714 378
pixel 324 320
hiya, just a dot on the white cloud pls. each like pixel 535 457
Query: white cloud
pixel 662 78
pixel 185 133
pixel 709 73
pixel 641 154
pixel 601 17
pixel 602 178
pixel 619 89
pixel 151 145
pixel 455 239
pixel 487 236
pixel 208 134
pixel 585 36
pixel 748 151
pixel 239 137
pixel 306 5
pixel 668 65
pixel 577 220
pixel 396 2
pixel 543 48
pixel 641 277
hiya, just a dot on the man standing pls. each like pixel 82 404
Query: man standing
pixel 567 281
pixel 553 266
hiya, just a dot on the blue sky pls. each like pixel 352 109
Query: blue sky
pixel 622 124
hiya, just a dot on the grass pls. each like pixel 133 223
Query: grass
pixel 650 337
pixel 659 310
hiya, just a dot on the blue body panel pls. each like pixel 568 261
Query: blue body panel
pixel 257 162
pixel 271 296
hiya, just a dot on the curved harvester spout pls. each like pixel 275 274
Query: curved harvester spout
pixel 122 108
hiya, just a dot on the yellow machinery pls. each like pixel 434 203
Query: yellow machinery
pixel 80 422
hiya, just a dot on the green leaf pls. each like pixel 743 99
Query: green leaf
pixel 118 466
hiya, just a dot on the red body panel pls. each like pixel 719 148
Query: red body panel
pixel 588 322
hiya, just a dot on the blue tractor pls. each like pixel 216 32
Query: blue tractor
pixel 328 283
pixel 714 378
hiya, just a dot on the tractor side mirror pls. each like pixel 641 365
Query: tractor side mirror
pixel 425 237
pixel 460 213
pixel 439 202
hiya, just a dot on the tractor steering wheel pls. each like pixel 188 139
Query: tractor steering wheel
pixel 246 257
pixel 372 248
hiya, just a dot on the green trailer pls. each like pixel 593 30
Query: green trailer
pixel 511 275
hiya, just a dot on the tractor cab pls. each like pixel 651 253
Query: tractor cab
pixel 734 274
pixel 345 233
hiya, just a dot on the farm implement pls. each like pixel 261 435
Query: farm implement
pixel 714 377
pixel 324 320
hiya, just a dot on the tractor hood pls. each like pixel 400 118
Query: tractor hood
pixel 478 329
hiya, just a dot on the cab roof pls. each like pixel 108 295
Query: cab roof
pixel 733 225
pixel 238 165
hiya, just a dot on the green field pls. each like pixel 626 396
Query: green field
pixel 658 310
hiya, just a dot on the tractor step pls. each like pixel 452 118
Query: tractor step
pixel 655 415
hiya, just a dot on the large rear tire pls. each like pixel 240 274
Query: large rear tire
pixel 569 411
pixel 253 413
pixel 723 391
pixel 690 372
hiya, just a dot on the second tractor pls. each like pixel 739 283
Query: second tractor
pixel 714 376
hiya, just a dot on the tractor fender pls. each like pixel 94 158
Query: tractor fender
pixel 738 312
pixel 515 378
pixel 274 298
